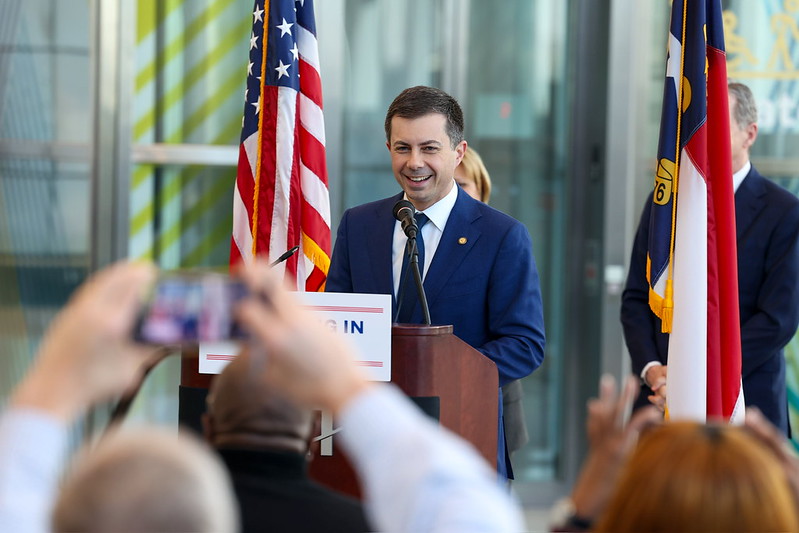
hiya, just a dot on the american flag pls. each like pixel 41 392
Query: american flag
pixel 692 260
pixel 281 196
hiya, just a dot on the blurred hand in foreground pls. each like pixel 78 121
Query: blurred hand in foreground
pixel 87 355
pixel 301 357
pixel 611 438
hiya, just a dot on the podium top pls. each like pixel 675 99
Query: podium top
pixel 420 329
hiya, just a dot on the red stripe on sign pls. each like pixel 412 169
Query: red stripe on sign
pixel 376 364
pixel 220 357
pixel 342 309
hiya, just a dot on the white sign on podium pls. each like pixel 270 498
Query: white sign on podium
pixel 363 319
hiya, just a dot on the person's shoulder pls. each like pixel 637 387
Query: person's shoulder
pixel 502 227
pixel 780 193
pixel 778 197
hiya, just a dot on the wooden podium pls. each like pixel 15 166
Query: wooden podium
pixel 445 376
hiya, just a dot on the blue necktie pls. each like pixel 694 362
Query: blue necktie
pixel 407 293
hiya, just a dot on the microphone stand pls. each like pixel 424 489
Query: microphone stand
pixel 417 277
pixel 285 256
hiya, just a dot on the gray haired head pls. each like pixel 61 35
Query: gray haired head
pixel 745 110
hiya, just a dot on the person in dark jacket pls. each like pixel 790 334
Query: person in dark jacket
pixel 767 230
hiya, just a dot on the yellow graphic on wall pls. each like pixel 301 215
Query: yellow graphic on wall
pixel 743 63
pixel 738 51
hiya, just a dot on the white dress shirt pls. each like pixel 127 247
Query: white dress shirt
pixel 739 176
pixel 438 213
pixel 33 448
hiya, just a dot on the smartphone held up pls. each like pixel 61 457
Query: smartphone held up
pixel 190 307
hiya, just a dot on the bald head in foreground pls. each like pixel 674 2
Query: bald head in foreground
pixel 147 480
pixel 263 439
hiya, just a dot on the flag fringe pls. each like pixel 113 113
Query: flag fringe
pixel 667 312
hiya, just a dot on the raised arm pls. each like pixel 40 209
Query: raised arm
pixel 85 358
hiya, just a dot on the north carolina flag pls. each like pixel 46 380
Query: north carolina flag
pixel 281 196
pixel 692 261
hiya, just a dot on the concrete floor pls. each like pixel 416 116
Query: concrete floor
pixel 537 520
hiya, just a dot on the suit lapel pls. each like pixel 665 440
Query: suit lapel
pixel 748 202
pixel 379 242
pixel 452 249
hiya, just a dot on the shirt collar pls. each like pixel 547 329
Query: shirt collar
pixel 739 176
pixel 438 213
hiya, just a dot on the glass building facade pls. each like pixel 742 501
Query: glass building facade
pixel 119 125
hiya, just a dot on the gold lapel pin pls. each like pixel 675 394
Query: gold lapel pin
pixel 462 240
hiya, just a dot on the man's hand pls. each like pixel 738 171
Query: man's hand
pixel 310 364
pixel 87 355
pixel 655 379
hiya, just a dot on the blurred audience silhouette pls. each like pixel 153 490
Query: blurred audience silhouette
pixel 416 475
pixel 651 475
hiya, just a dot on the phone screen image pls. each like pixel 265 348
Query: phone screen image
pixel 189 308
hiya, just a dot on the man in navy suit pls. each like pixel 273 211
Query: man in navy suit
pixel 767 228
pixel 478 267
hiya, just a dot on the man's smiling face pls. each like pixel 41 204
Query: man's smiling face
pixel 423 159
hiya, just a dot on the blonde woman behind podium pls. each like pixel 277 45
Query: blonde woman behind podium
pixel 471 176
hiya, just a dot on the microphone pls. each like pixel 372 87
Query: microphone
pixel 404 211
pixel 285 256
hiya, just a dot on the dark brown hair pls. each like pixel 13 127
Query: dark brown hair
pixel 419 101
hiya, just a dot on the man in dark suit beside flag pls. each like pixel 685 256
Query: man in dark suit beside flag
pixel 767 230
